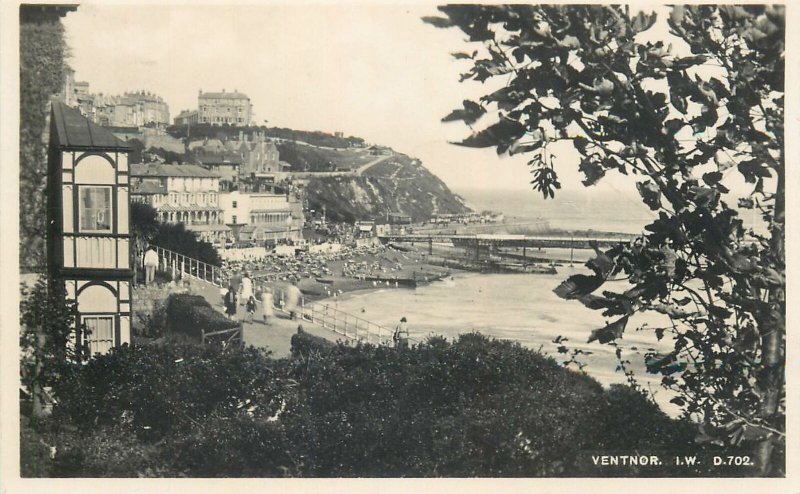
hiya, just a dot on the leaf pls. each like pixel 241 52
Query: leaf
pixel 578 285
pixel 686 62
pixel 594 302
pixel 463 56
pixel 643 22
pixel 712 178
pixel 436 21
pixel 753 169
pixel 580 143
pixel 469 115
pixel 678 401
pixel 610 332
pixel 703 196
pixel 656 362
pixel 590 166
pixel 601 264
pixel 651 195
pixel 503 132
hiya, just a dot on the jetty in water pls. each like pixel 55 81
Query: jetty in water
pixel 499 240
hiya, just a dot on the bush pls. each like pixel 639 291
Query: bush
pixel 190 315
pixel 477 407
pixel 473 407
pixel 241 446
pixel 304 344
pixel 154 391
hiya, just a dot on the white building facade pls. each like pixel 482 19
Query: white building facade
pixel 187 194
pixel 261 216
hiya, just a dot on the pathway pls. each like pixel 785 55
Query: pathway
pixel 276 336
pixel 361 169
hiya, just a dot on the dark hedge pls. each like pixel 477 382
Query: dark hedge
pixel 473 407
pixel 190 315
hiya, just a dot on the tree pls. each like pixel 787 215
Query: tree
pixel 681 115
pixel 42 67
pixel 177 238
pixel 46 328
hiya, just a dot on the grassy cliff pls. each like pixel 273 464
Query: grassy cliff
pixel 397 184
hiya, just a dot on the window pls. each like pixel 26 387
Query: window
pixel 95 209
pixel 234 204
pixel 234 219
pixel 99 333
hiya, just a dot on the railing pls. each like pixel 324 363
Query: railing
pixel 186 266
pixel 225 337
pixel 340 322
pixel 351 327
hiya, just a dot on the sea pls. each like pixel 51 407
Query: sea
pixel 598 210
pixel 523 307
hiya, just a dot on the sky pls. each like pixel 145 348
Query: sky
pixel 376 71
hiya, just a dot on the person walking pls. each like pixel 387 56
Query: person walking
pixel 247 288
pixel 251 308
pixel 401 334
pixel 266 304
pixel 230 302
pixel 150 265
pixel 292 300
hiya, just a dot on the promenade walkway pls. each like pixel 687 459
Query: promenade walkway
pixel 276 336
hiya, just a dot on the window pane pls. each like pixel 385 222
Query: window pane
pixel 100 333
pixel 95 209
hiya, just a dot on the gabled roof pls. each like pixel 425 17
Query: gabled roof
pixel 71 130
pixel 149 188
pixel 233 95
pixel 164 170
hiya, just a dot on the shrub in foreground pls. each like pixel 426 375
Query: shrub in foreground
pixel 473 407
pixel 190 315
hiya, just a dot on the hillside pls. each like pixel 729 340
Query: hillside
pixel 366 181
pixel 396 184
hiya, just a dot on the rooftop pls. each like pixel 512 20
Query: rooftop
pixel 164 170
pixel 149 188
pixel 70 129
pixel 224 95
pixel 220 159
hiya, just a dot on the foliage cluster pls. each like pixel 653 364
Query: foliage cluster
pixel 306 343
pixel 312 159
pixel 474 407
pixel 46 326
pixel 175 237
pixel 315 138
pixel 189 315
pixel 42 71
pixel 685 114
